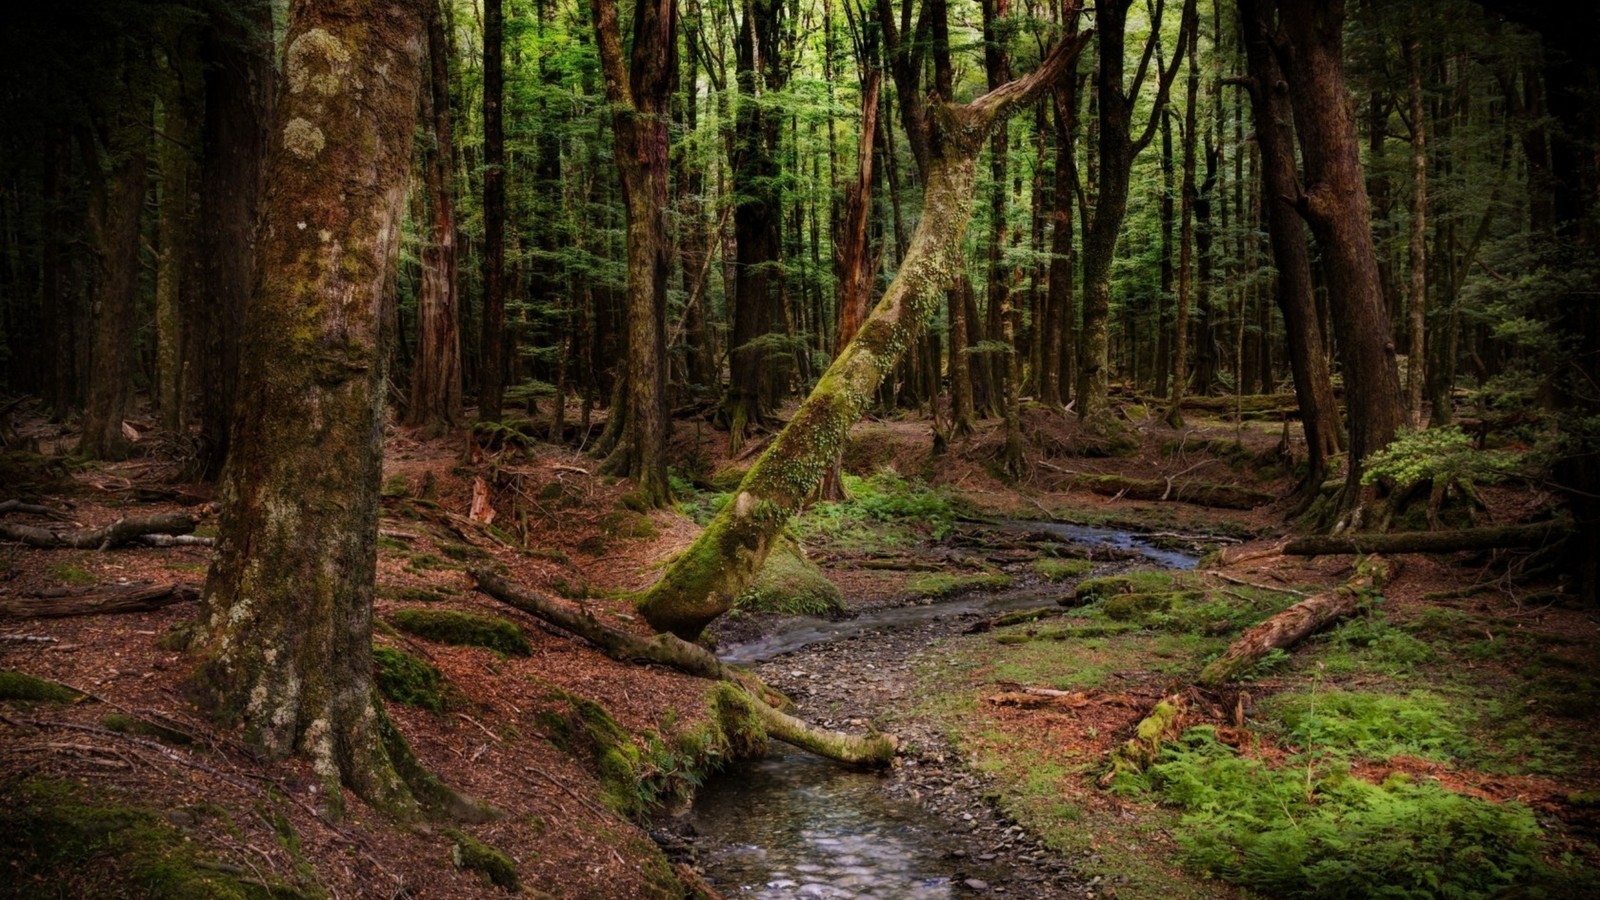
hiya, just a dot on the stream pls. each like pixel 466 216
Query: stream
pixel 793 825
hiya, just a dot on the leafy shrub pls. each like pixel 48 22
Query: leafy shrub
pixel 1437 454
pixel 1289 832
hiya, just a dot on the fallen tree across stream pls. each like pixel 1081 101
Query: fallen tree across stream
pixel 1507 537
pixel 674 652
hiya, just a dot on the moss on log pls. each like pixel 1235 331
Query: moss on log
pixel 1508 537
pixel 1198 493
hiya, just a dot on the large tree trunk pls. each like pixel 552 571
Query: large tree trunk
pixel 1319 410
pixel 640 94
pixel 436 376
pixel 1334 203
pixel 287 626
pixel 238 118
pixel 491 351
pixel 704 581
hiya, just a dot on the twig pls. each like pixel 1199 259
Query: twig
pixel 492 736
pixel 1260 587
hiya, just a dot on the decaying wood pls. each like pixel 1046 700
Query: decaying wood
pixel 1507 537
pixel 1199 493
pixel 1299 621
pixel 670 650
pixel 1137 753
pixel 175 540
pixel 140 598
pixel 117 533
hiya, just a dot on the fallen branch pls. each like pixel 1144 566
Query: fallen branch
pixel 1138 752
pixel 32 509
pixel 175 540
pixel 1299 621
pixel 142 598
pixel 672 651
pixel 117 533
pixel 1503 538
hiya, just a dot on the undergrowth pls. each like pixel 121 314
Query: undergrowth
pixel 882 509
pixel 1311 830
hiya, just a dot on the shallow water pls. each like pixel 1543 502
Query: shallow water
pixel 798 826
pixel 1110 537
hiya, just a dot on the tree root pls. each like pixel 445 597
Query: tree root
pixel 674 652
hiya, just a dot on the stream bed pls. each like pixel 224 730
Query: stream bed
pixel 793 825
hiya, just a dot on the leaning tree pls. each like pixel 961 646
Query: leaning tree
pixel 704 581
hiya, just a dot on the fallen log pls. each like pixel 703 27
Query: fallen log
pixel 1138 752
pixel 1198 493
pixel 120 532
pixel 670 650
pixel 1299 621
pixel 141 598
pixel 1506 537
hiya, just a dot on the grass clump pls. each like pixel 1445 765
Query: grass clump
pixel 474 855
pixel 1062 569
pixel 16 686
pixel 942 584
pixel 1295 832
pixel 791 584
pixel 449 626
pixel 403 678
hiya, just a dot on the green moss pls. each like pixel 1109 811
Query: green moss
pixel 403 678
pixel 1095 589
pixel 396 486
pixel 426 562
pixel 392 591
pixel 130 725
pixel 1132 607
pixel 178 637
pixel 71 574
pixel 28 689
pixel 462 552
pixel 389 543
pixel 940 584
pixel 449 626
pixel 474 855
pixel 790 583
pixel 57 841
pixel 627 523
pixel 1062 569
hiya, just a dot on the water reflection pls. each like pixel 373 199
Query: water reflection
pixel 796 826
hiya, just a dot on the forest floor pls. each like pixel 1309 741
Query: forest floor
pixel 1463 682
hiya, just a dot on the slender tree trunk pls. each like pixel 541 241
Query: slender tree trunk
pixel 1418 299
pixel 1180 332
pixel 119 183
pixel 287 624
pixel 1334 203
pixel 174 228
pixel 491 352
pixel 703 582
pixel 436 376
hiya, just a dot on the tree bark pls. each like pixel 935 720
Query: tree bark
pixel 239 115
pixel 436 375
pixel 117 533
pixel 704 581
pixel 640 93
pixel 1334 203
pixel 1319 409
pixel 286 636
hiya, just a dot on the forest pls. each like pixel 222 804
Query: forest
pixel 800 448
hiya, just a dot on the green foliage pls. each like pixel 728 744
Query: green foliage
pixel 1437 455
pixel 67 573
pixel 1370 725
pixel 28 689
pixel 909 509
pixel 403 678
pixel 498 869
pixel 1370 644
pixel 1294 832
pixel 449 626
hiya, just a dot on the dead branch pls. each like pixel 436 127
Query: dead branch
pixel 117 533
pixel 139 598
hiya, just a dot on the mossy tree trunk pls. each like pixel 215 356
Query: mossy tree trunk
pixel 640 90
pixel 703 583
pixel 287 625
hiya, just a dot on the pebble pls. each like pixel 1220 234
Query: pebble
pixel 976 884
